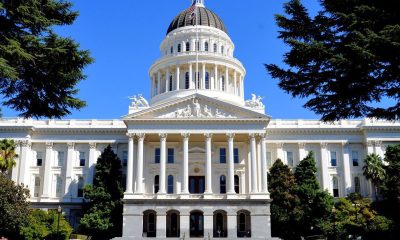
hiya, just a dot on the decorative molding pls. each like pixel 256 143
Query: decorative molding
pixel 141 136
pixel 263 135
pixel 139 102
pixel 163 136
pixel 185 135
pixel 280 145
pixel 378 143
pixel 71 145
pixel 92 145
pixel 255 102
pixel 324 145
pixel 252 135
pixel 208 135
pixel 230 135
pixel 302 145
pixel 49 145
pixel 369 143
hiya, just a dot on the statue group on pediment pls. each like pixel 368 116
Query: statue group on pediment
pixel 255 102
pixel 139 101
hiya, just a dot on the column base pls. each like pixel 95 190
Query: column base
pixel 231 195
pixel 259 196
pixel 184 195
pixel 208 195
pixel 161 195
pixel 133 196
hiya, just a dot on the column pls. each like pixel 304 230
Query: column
pixel 203 80
pixel 253 154
pixel 324 166
pixel 235 83
pixel 185 168
pixel 129 171
pixel 167 80
pixel 14 171
pixel 232 224
pixel 264 178
pixel 25 164
pixel 190 76
pixel 242 85
pixel 279 151
pixel 346 168
pixel 163 151
pixel 92 161
pixel 158 82
pixel 161 224
pixel 370 149
pixel 47 170
pixel 139 174
pixel 231 166
pixel 215 77
pixel 208 189
pixel 178 72
pixel 153 80
pixel 68 170
pixel 302 151
pixel 226 79
pixel 379 148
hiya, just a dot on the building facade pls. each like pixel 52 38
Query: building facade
pixel 195 159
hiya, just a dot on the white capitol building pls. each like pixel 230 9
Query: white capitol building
pixel 195 158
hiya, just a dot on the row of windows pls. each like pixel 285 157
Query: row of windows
pixel 171 155
pixel 206 48
pixel 59 183
pixel 335 186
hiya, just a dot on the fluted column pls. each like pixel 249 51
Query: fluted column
pixel 167 80
pixel 47 170
pixel 346 167
pixel 178 73
pixel 208 189
pixel 264 178
pixel 68 170
pixel 91 162
pixel 231 167
pixel 253 149
pixel 324 166
pixel 185 167
pixel 139 173
pixel 129 171
pixel 163 151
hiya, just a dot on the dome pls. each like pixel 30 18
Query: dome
pixel 205 17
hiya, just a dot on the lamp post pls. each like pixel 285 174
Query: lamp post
pixel 59 210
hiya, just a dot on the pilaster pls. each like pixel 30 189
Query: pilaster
pixel 47 170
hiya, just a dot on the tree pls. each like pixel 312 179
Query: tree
pixel 355 217
pixel 374 171
pixel 39 70
pixel 284 211
pixel 43 225
pixel 315 204
pixel 103 216
pixel 13 207
pixel 7 155
pixel 344 60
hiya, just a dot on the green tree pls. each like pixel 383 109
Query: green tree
pixel 316 205
pixel 284 211
pixel 344 60
pixel 103 216
pixel 14 207
pixel 43 225
pixel 39 70
pixel 7 155
pixel 355 217
pixel 373 170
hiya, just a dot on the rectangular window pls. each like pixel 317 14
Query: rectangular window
pixel 236 155
pixel 269 159
pixel 171 154
pixel 354 156
pixel 82 159
pixel 39 159
pixel 36 190
pixel 60 159
pixel 289 158
pixel 357 185
pixel 222 155
pixel 59 184
pixel 333 159
pixel 157 155
pixel 80 187
pixel 124 158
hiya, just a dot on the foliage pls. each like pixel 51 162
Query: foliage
pixel 392 183
pixel 374 171
pixel 103 216
pixel 7 155
pixel 39 69
pixel 284 206
pixel 344 60
pixel 355 217
pixel 315 204
pixel 43 224
pixel 13 207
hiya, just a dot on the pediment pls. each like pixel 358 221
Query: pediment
pixel 194 107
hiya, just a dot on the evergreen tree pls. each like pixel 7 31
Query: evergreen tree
pixel 344 60
pixel 7 155
pixel 374 171
pixel 103 216
pixel 39 70
pixel 284 211
pixel 316 205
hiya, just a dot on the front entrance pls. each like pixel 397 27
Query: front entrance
pixel 196 184
pixel 196 224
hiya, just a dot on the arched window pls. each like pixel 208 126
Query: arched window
pixel 206 46
pixel 222 184
pixel 179 47
pixel 357 185
pixel 156 184
pixel 187 83
pixel 187 46
pixel 243 224
pixel 172 49
pixel 237 184
pixel 173 224
pixel 196 224
pixel 170 83
pixel 223 83
pixel 220 228
pixel 222 49
pixel 207 80
pixel 215 47
pixel 149 224
pixel 335 187
pixel 170 184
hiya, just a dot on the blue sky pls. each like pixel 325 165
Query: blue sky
pixel 124 37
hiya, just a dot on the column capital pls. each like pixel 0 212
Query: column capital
pixel 263 135
pixel 378 143
pixel 24 143
pixel 185 135
pixel 302 145
pixel 280 144
pixel 92 145
pixel 230 135
pixel 208 135
pixel 141 136
pixel 324 145
pixel 131 135
pixel 49 145
pixel 163 136
pixel 369 143
pixel 345 144
pixel 71 145
pixel 252 135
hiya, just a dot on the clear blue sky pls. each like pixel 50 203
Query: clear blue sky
pixel 124 37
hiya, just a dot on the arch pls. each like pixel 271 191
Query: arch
pixel 243 224
pixel 215 48
pixel 237 183
pixel 179 48
pixel 170 184
pixel 206 46
pixel 187 83
pixel 173 224
pixel 150 224
pixel 156 183
pixel 222 184
pixel 220 226
pixel 196 224
pixel 187 46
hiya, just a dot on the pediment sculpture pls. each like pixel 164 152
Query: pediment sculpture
pixel 139 101
pixel 255 102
